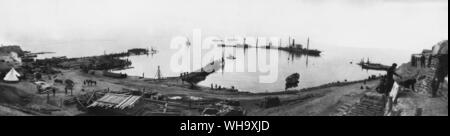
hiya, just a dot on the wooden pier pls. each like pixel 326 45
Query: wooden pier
pixel 201 74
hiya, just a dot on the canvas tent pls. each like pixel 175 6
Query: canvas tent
pixel 12 76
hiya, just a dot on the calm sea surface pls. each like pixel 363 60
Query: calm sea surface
pixel 335 64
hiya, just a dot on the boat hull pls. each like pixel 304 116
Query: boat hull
pixel 302 51
pixel 379 67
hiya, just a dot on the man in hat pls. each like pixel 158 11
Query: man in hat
pixel 390 78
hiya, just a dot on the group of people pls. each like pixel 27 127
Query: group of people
pixel 422 59
pixel 216 87
pixel 372 77
pixel 90 83
pixel 183 75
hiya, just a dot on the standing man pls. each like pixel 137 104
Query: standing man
pixel 390 78
pixel 440 53
pixel 54 92
pixel 430 59
pixel 441 73
pixel 413 60
pixel 422 61
pixel 48 96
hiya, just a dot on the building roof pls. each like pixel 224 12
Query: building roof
pixel 116 101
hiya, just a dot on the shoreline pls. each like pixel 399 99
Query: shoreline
pixel 282 92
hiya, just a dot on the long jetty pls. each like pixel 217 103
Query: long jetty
pixel 201 74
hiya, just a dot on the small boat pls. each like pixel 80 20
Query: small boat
pixel 114 75
pixel 153 51
pixel 269 45
pixel 231 57
pixel 241 46
pixel 292 81
pixel 188 43
pixel 137 51
pixel 310 52
pixel 298 49
pixel 373 66
pixel 124 68
pixel 221 45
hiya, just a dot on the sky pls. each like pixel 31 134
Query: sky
pixel 389 24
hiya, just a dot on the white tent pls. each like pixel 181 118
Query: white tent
pixel 12 76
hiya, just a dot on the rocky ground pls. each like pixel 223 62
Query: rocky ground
pixel 419 102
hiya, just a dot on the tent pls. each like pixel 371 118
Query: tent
pixel 12 76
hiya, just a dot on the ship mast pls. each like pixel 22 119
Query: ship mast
pixel 158 73
pixel 279 46
pixel 257 42
pixel 307 44
pixel 289 42
pixel 293 43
